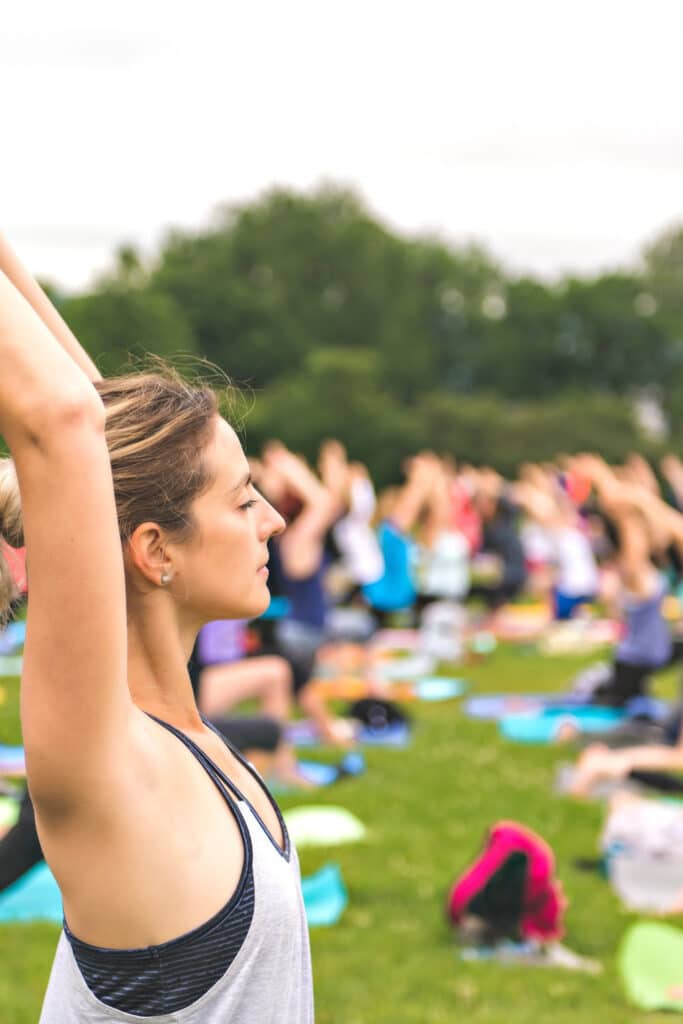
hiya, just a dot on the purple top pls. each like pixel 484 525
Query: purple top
pixel 222 641
pixel 648 638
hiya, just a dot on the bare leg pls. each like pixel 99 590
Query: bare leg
pixel 267 679
pixel 332 730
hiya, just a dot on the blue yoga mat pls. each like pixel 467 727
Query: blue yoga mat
pixel 33 897
pixel 395 735
pixel 543 726
pixel 492 706
pixel 325 896
pixel 304 734
pixel 12 637
pixel 319 774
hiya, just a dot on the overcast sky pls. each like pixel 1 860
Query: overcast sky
pixel 550 131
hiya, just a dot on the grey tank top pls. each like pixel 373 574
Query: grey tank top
pixel 267 980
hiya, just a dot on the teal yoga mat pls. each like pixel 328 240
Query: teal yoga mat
pixel 33 897
pixel 543 726
pixel 325 896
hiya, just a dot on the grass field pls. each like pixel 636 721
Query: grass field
pixel 391 959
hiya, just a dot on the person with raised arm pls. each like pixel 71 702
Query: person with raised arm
pixel 638 515
pixel 181 889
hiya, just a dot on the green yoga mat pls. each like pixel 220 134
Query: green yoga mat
pixel 11 666
pixel 651 966
pixel 9 811
pixel 315 825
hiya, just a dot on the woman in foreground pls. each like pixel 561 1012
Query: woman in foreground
pixel 181 891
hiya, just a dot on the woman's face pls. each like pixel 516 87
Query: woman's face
pixel 220 572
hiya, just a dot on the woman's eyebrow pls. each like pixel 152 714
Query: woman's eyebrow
pixel 243 482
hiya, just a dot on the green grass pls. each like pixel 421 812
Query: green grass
pixel 391 958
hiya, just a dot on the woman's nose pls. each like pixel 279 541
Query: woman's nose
pixel 273 523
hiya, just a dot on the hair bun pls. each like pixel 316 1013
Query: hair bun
pixel 11 530
pixel 11 521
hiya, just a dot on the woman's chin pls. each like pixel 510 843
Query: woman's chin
pixel 251 608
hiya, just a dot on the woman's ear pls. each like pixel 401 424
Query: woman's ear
pixel 148 555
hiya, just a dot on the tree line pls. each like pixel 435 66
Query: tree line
pixel 338 326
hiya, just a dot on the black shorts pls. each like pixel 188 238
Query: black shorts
pixel 258 733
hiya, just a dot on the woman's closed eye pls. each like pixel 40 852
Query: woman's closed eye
pixel 250 502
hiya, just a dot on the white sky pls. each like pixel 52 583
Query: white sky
pixel 550 131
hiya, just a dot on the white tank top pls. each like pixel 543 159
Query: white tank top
pixel 267 979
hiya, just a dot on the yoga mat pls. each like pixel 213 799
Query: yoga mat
pixel 319 825
pixel 12 760
pixel 325 896
pixel 542 727
pixel 11 666
pixel 496 705
pixel 434 688
pixel 9 811
pixel 650 962
pixel 304 734
pixel 12 637
pixel 33 897
pixel 320 774
pixel 395 735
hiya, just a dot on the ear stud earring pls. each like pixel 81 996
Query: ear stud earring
pixel 165 578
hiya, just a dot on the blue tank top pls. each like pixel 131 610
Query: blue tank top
pixel 307 601
pixel 395 589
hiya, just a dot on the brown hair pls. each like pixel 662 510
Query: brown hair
pixel 11 530
pixel 156 427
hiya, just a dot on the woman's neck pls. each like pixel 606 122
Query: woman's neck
pixel 158 652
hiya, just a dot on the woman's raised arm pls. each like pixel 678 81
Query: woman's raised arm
pixel 27 286
pixel 74 695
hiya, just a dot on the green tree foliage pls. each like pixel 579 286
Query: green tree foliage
pixel 125 317
pixel 342 327
pixel 276 280
pixel 340 393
